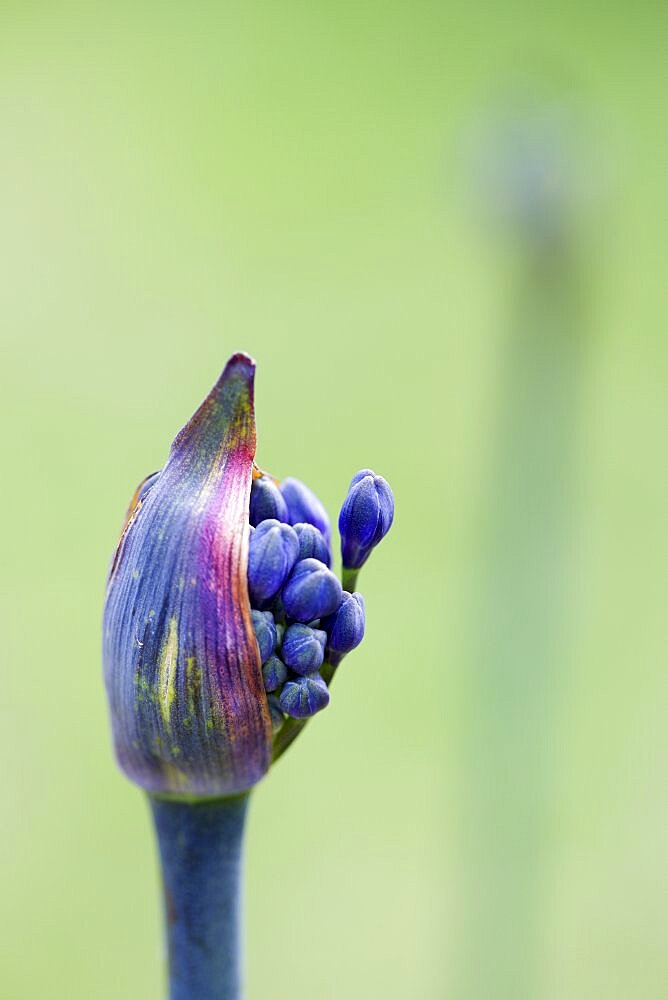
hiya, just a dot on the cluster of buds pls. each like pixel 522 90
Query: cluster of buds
pixel 301 615
pixel 224 622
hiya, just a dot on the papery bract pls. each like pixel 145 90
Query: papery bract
pixel 182 666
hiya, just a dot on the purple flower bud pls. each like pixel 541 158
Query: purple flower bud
pixel 312 544
pixel 273 551
pixel 312 591
pixel 265 633
pixel 274 673
pixel 303 648
pixel 266 502
pixel 304 696
pixel 366 517
pixel 362 474
pixel 346 626
pixel 304 506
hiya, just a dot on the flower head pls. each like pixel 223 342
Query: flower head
pixel 223 622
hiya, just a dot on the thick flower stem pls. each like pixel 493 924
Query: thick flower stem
pixel 201 846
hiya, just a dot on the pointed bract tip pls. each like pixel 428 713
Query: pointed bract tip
pixel 226 417
pixel 241 358
pixel 240 364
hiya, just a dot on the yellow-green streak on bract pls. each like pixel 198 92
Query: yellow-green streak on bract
pixel 167 675
pixel 193 690
pixel 181 661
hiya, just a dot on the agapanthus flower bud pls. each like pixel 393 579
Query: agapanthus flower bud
pixel 366 517
pixel 274 673
pixel 312 591
pixel 182 667
pixel 304 696
pixel 303 648
pixel 345 627
pixel 312 544
pixel 266 501
pixel 304 506
pixel 273 551
pixel 265 633
pixel 222 616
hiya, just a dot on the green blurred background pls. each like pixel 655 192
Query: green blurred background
pixel 440 231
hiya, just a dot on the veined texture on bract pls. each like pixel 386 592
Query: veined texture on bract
pixel 182 667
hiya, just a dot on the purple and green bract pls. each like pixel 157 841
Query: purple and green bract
pixel 182 666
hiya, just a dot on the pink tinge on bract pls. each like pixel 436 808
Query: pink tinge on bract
pixel 189 712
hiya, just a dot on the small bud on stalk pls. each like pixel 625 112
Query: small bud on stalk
pixel 366 517
pixel 346 626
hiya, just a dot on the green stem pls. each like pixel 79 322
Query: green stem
pixel 291 728
pixel 286 735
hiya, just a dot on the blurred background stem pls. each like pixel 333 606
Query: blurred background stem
pixel 201 846
pixel 520 603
